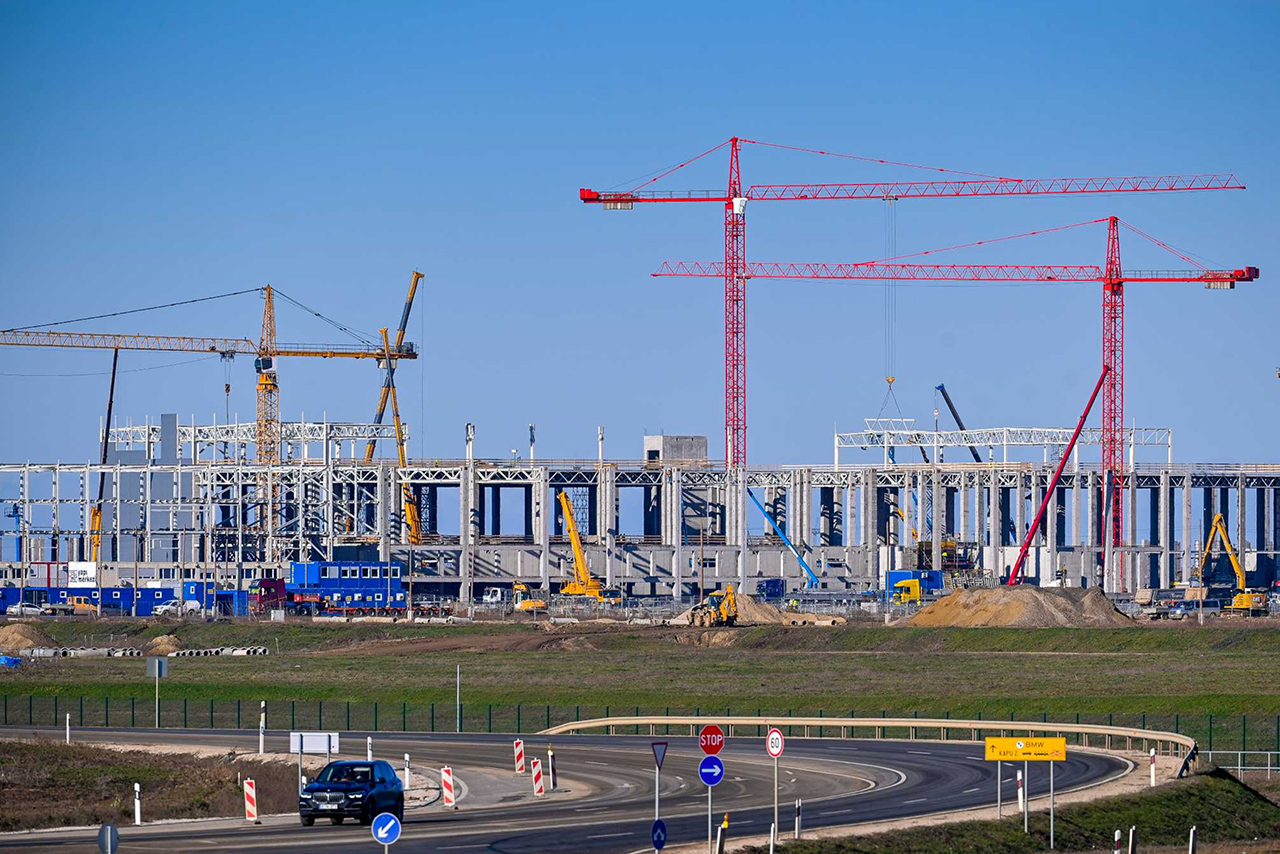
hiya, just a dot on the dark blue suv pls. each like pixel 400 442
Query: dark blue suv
pixel 351 789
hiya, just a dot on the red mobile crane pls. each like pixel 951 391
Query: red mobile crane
pixel 972 185
pixel 1113 278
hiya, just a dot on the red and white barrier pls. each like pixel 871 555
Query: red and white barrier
pixel 251 801
pixel 519 748
pixel 538 789
pixel 446 788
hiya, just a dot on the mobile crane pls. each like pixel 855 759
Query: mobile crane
pixel 583 583
pixel 1244 602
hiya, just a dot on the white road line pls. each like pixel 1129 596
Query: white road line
pixel 969 791
pixel 920 752
pixel 608 835
pixel 915 800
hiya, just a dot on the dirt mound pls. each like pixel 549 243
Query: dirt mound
pixel 708 640
pixel 16 636
pixel 163 645
pixel 1022 606
pixel 750 613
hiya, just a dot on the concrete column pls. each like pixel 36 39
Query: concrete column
pixel 1242 515
pixel 1188 535
pixel 996 526
pixel 962 532
pixel 1020 521
pixel 870 537
pixel 468 518
pixel 921 501
pixel 678 560
pixel 1262 517
pixel 608 522
pixel 1134 558
pixel 738 486
pixel 495 526
pixel 1052 534
pixel 542 528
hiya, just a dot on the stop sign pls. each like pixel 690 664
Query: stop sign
pixel 711 739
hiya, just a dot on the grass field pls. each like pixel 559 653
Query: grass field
pixel 1159 672
pixel 1220 807
pixel 48 784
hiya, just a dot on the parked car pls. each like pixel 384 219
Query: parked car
pixel 1192 608
pixel 24 609
pixel 352 789
pixel 177 608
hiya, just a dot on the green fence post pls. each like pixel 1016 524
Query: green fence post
pixel 1077 724
pixel 577 713
pixel 433 717
pixel 637 715
pixel 1143 725
pixel 1211 733
pixel 293 715
pixel 491 717
pixel 404 717
pixel 1176 724
pixel 1110 718
pixel 548 716
pixel 666 710
pixel 30 708
pixel 1244 723
pixel 375 715
pixel 106 711
pixel 237 714
pixel 518 729
pixel 348 716
pixel 211 713
pixel 319 714
pixel 697 711
pixel 184 712
pixel 55 709
pixel 133 712
pixel 1277 733
pixel 606 712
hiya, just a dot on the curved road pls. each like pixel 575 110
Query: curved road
pixel 610 807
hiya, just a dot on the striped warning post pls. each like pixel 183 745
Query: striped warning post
pixel 538 789
pixel 250 801
pixel 446 788
pixel 519 748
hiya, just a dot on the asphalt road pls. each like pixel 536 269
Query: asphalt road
pixel 610 807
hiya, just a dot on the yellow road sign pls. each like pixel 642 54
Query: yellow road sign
pixel 1027 749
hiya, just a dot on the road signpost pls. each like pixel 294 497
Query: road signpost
pixel 658 834
pixel 659 753
pixel 158 667
pixel 711 739
pixel 710 772
pixel 386 830
pixel 327 743
pixel 262 728
pixel 774 744
pixel 108 839
pixel 1051 750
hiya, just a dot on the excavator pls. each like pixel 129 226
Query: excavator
pixel 1244 602
pixel 720 608
pixel 524 598
pixel 583 583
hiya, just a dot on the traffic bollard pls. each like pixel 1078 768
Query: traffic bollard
pixel 137 803
pixel 799 802
pixel 1117 845
pixel 1133 839
pixel 1153 766
pixel 538 788
pixel 552 779
pixel 518 747
pixel 406 772
pixel 773 836
pixel 1191 841
pixel 68 727
pixel 722 835
pixel 262 728
pixel 251 801
pixel 368 748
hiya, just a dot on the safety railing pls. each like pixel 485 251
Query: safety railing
pixel 1109 738
pixel 1244 761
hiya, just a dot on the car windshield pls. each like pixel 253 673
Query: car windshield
pixel 346 773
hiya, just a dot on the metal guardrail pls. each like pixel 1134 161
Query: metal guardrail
pixel 1258 761
pixel 1089 736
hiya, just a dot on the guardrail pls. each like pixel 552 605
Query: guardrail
pixel 1260 761
pixel 933 729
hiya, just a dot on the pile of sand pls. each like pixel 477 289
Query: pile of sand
pixel 16 636
pixel 163 645
pixel 1022 606
pixel 752 612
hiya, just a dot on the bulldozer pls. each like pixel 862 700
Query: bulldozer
pixel 720 608
pixel 1244 602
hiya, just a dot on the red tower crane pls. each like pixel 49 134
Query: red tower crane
pixel 1112 277
pixel 734 200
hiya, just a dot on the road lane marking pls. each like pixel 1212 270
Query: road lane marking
pixel 969 791
pixel 920 752
pixel 915 800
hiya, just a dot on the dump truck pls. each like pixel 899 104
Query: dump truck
pixel 720 608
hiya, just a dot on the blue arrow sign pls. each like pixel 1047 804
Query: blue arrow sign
pixel 711 770
pixel 386 829
pixel 659 834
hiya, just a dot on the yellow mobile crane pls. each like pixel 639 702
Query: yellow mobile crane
pixel 1245 602
pixel 583 583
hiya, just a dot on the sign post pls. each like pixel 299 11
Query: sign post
pixel 659 753
pixel 312 742
pixel 711 771
pixel 157 667
pixel 262 728
pixel 774 744
pixel 108 839
pixel 1001 750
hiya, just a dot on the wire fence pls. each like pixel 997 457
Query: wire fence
pixel 1250 741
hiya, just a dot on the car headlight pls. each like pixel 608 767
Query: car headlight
pixel 305 796
pixel 355 795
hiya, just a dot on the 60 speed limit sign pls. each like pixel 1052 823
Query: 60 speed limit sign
pixel 774 743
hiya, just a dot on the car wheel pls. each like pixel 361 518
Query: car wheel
pixel 307 820
pixel 400 809
pixel 336 819
pixel 365 817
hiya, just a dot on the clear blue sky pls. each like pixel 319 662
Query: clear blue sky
pixel 159 151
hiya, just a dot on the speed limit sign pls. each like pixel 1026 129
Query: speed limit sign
pixel 774 743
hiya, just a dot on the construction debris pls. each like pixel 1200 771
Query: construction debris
pixel 163 645
pixel 1022 606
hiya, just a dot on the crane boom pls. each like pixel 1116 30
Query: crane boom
pixel 185 344
pixel 955 414
pixel 951 272
pixel 388 384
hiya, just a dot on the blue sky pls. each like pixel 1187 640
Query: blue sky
pixel 157 151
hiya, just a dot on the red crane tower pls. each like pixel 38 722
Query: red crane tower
pixel 734 200
pixel 1112 277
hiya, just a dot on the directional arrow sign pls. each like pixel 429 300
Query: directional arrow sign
pixel 710 770
pixel 659 752
pixel 658 835
pixel 386 829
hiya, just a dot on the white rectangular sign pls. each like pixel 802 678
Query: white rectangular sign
pixel 313 742
pixel 82 573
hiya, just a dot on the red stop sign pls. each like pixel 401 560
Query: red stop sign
pixel 711 739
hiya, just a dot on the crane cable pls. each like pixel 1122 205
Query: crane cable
pixel 134 310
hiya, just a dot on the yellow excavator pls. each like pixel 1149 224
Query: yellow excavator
pixel 583 583
pixel 720 608
pixel 1245 602
pixel 524 598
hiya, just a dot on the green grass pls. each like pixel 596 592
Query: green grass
pixel 1221 808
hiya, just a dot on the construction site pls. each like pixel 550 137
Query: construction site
pixel 1108 507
